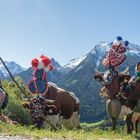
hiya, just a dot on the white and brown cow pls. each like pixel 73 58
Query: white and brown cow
pixel 61 109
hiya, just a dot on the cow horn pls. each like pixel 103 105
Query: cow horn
pixel 98 72
pixel 49 101
pixel 125 71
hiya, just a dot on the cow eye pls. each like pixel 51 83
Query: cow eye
pixel 98 79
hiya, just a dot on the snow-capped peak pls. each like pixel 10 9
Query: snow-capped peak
pixel 13 67
pixel 101 47
pixel 56 64
pixel 133 48
pixel 99 51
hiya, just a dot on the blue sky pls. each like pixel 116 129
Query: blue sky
pixel 63 29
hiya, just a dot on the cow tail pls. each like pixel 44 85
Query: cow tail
pixel 5 102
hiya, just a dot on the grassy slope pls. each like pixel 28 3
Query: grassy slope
pixel 89 132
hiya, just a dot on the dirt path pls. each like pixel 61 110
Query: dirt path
pixel 3 137
pixel 29 138
pixel 14 138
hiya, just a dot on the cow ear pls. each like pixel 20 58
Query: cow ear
pixel 98 77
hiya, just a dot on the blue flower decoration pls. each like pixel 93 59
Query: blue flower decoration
pixel 126 43
pixel 119 38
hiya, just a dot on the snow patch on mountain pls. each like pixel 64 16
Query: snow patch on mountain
pixel 75 62
pixel 80 67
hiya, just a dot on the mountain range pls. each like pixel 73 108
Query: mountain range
pixel 12 66
pixel 77 76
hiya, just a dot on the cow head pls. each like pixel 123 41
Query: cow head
pixel 43 106
pixel 111 82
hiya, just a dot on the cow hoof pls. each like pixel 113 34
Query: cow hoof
pixel 129 132
pixel 79 127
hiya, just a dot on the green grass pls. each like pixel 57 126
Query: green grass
pixel 15 111
pixel 88 132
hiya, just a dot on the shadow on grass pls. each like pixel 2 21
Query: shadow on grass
pixel 105 125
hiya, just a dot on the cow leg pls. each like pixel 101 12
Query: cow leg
pixel 72 122
pixel 129 124
pixel 38 123
pixel 113 123
pixel 136 126
pixel 53 119
pixel 79 126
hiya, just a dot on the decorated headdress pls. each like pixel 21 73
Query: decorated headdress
pixel 116 55
pixel 42 62
pixel 126 43
pixel 119 41
pixel 45 60
pixel 34 63
pixel 41 65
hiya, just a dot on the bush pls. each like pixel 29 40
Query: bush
pixel 14 109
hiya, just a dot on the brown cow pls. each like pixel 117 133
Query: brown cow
pixel 63 109
pixel 111 87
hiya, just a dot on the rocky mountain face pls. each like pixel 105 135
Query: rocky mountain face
pixel 77 76
pixel 13 67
